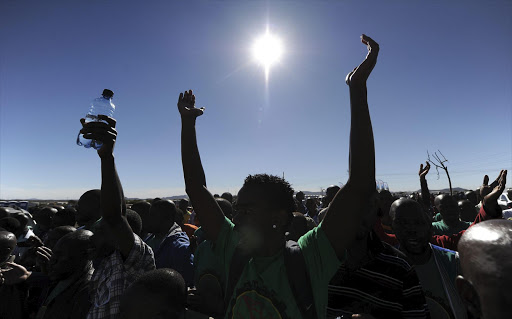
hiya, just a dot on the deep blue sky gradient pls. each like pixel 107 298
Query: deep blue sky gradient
pixel 443 81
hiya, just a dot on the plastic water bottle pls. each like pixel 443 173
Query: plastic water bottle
pixel 102 105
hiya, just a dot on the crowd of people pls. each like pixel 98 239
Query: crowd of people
pixel 267 252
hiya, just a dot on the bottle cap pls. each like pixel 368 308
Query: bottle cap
pixel 107 93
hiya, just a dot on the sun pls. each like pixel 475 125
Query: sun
pixel 267 50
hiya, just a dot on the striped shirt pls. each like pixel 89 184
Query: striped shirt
pixel 114 276
pixel 385 287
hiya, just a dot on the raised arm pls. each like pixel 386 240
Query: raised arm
pixel 354 200
pixel 204 204
pixel 112 198
pixel 425 193
pixel 491 193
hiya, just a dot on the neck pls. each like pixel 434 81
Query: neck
pixel 451 223
pixel 420 259
pixel 275 245
pixel 358 253
pixel 166 226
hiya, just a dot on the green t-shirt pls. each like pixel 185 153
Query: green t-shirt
pixel 440 228
pixel 263 291
pixel 207 263
pixel 431 281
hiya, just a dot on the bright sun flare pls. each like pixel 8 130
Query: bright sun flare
pixel 267 51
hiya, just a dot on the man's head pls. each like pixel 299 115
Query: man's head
pixel 330 192
pixel 44 218
pixel 7 245
pixel 157 294
pixel 22 218
pixel 411 225
pixel 58 207
pixel 448 209
pixel 4 212
pixel 134 221
pixel 467 210
pixel 227 196
pixel 64 217
pixel 263 210
pixel 53 236
pixel 142 208
pixel 226 207
pixel 162 215
pixel 183 204
pixel 485 252
pixel 471 196
pixel 311 205
pixel 71 255
pixel 88 207
pixel 437 201
pixel 299 196
pixel 12 225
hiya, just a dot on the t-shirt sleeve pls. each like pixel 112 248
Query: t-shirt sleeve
pixel 226 242
pixel 321 262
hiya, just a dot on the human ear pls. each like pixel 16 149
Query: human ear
pixel 469 296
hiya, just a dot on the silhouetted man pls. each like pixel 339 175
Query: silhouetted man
pixel 12 296
pixel 70 270
pixel 169 242
pixel 486 262
pixel 88 208
pixel 451 223
pixel 436 267
pixel 253 252
pixel 301 208
pixel 125 255
pixel 142 208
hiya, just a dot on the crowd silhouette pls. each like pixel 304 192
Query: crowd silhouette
pixel 267 252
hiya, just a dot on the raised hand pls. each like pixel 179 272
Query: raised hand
pixel 15 274
pixel 187 105
pixel 104 132
pixel 490 193
pixel 43 255
pixel 361 73
pixel 424 171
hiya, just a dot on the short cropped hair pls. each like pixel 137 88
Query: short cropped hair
pixel 10 224
pixel 280 191
pixel 134 220
pixel 227 196
pixel 67 215
pixel 81 240
pixel 226 207
pixel 163 288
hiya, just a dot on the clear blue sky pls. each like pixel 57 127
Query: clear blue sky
pixel 443 81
